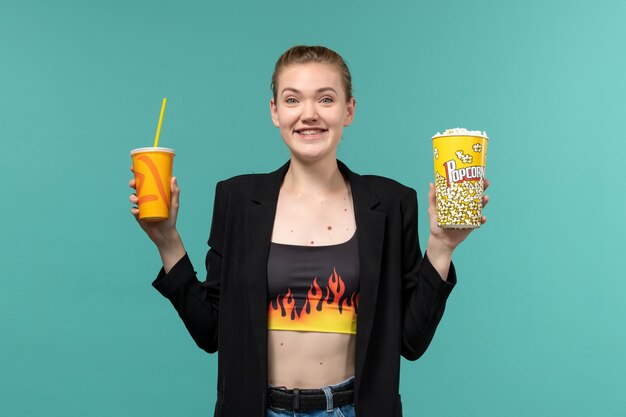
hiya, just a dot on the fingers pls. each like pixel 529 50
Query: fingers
pixel 486 197
pixel 134 210
pixel 175 190
pixel 131 183
pixel 483 219
pixel 133 197
pixel 175 200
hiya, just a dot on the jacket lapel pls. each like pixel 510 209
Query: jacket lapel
pixel 259 223
pixel 370 229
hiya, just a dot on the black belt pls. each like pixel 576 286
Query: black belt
pixel 308 399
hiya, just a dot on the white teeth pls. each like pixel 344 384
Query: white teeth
pixel 309 132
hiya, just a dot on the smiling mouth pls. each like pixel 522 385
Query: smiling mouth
pixel 310 132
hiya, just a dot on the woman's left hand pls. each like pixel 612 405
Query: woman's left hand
pixel 446 240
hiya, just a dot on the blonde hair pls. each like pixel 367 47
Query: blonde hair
pixel 302 54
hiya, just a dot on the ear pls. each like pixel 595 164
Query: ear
pixel 274 113
pixel 351 107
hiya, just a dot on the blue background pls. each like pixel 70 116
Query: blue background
pixel 535 326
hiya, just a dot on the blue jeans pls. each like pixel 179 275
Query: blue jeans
pixel 329 411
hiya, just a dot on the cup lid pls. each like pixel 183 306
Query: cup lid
pixel 152 149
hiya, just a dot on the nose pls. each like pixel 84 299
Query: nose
pixel 309 111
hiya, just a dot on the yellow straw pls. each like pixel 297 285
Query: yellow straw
pixel 156 139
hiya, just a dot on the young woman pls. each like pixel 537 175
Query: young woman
pixel 316 284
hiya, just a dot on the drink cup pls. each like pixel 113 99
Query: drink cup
pixel 459 156
pixel 153 174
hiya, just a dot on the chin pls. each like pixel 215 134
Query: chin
pixel 309 156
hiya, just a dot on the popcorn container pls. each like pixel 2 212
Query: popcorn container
pixel 459 156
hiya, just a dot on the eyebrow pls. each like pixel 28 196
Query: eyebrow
pixel 320 90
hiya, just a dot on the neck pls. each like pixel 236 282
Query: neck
pixel 313 177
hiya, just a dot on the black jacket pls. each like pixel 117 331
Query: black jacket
pixel 401 296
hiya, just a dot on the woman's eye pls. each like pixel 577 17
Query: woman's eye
pixel 326 100
pixel 291 100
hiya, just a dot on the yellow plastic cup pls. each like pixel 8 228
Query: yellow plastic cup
pixel 153 174
pixel 459 159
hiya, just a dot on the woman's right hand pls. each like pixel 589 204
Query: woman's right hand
pixel 162 233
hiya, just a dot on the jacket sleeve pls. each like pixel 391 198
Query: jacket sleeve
pixel 424 292
pixel 197 303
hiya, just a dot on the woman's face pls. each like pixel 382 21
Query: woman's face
pixel 311 110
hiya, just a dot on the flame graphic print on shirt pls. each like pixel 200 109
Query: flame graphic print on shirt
pixel 325 309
